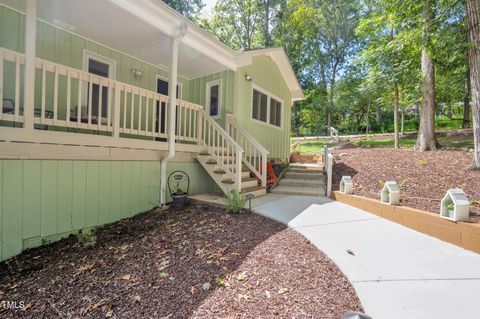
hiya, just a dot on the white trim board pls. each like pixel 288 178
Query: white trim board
pixel 270 95
pixel 208 85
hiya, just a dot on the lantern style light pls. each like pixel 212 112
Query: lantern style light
pixel 455 205
pixel 390 193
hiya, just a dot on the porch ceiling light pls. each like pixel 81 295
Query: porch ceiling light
pixel 248 78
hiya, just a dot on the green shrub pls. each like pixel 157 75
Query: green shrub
pixel 235 201
pixel 87 238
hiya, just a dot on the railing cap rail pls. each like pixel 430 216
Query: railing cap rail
pixel 222 131
pixel 230 118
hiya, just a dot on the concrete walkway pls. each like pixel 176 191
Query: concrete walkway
pixel 397 272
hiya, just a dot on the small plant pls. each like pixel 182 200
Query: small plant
pixel 386 195
pixel 219 281
pixel 235 202
pixel 422 162
pixel 87 238
pixel 163 274
pixel 450 206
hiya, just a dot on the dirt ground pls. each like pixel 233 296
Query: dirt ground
pixel 202 262
pixel 423 177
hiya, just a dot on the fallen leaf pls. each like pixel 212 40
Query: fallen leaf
pixel 282 291
pixel 126 277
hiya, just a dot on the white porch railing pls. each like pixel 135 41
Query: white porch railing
pixel 328 168
pixel 255 155
pixel 222 147
pixel 75 100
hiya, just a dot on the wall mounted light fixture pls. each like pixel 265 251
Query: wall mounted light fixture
pixel 137 74
pixel 248 78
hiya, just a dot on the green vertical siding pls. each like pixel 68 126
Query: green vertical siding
pixel 198 90
pixel 66 48
pixel 264 73
pixel 41 200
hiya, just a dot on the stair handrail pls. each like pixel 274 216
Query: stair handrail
pixel 249 142
pixel 221 146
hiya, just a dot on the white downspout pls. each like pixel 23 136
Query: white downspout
pixel 171 113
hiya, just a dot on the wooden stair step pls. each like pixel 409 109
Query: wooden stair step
pixel 229 181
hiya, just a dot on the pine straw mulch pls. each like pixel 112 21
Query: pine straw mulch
pixel 198 263
pixel 423 177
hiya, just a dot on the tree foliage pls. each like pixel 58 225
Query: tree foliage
pixel 188 8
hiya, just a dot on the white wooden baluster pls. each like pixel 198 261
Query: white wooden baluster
pixel 109 103
pixel 132 106
pixel 100 105
pixel 79 102
pixel 140 100
pixel 124 126
pixel 69 94
pixel 116 112
pixel 44 86
pixel 55 96
pixel 17 88
pixel 1 83
pixel 90 99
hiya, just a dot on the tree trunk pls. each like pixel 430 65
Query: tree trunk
pixel 379 115
pixel 466 101
pixel 402 129
pixel 368 117
pixel 473 12
pixel 395 115
pixel 426 139
pixel 329 108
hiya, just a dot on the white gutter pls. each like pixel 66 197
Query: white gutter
pixel 171 113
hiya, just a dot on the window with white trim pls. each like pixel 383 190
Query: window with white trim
pixel 266 108
pixel 213 98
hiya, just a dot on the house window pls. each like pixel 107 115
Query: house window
pixel 98 65
pixel 260 106
pixel 213 98
pixel 275 112
pixel 162 88
pixel 266 108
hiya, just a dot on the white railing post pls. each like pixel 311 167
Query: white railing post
pixel 116 112
pixel 264 169
pixel 238 169
pixel 199 127
pixel 30 34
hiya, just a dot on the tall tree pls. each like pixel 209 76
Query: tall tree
pixel 473 12
pixel 326 33
pixel 426 139
pixel 237 23
pixel 188 8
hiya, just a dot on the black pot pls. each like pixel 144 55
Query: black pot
pixel 179 201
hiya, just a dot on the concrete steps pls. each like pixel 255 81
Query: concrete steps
pixel 305 180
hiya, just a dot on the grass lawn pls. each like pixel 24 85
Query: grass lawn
pixel 455 142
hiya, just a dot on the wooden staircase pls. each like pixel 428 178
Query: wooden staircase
pixel 213 167
pixel 225 160
pixel 306 180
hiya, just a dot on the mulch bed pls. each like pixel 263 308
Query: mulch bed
pixel 201 262
pixel 423 177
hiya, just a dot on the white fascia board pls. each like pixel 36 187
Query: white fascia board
pixel 168 21
pixel 280 58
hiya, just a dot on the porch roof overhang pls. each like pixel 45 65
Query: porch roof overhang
pixel 279 56
pixel 142 29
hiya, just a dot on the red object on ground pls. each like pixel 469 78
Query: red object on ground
pixel 271 177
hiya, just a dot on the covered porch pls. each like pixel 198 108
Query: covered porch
pixel 75 98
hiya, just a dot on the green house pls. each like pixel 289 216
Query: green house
pixel 102 100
